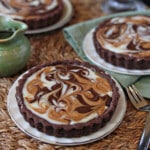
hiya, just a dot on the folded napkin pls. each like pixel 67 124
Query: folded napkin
pixel 75 35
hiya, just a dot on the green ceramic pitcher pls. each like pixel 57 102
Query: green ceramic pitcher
pixel 14 46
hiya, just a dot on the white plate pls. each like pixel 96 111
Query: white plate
pixel 16 116
pixel 67 14
pixel 90 52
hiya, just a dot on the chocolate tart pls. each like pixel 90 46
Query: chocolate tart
pixel 36 14
pixel 67 98
pixel 124 41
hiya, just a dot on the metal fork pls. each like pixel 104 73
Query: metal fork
pixel 141 104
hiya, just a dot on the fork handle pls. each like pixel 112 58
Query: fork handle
pixel 145 138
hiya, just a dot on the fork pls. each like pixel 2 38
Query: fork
pixel 140 104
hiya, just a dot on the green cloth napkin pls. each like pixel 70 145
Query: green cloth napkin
pixel 75 34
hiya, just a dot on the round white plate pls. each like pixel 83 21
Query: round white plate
pixel 90 52
pixel 66 16
pixel 16 116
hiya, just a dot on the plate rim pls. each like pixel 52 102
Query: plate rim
pixel 63 141
pixel 87 47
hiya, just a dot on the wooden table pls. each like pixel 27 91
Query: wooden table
pixel 50 47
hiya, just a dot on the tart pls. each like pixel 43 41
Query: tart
pixel 124 41
pixel 36 13
pixel 67 98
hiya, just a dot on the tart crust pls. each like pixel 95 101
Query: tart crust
pixel 138 60
pixel 67 130
pixel 34 20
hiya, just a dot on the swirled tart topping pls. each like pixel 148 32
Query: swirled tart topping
pixel 27 8
pixel 67 94
pixel 128 35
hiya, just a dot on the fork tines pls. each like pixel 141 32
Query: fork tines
pixel 136 97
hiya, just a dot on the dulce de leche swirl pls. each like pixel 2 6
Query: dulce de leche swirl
pixel 67 94
pixel 126 35
pixel 27 8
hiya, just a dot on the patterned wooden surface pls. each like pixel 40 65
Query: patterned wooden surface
pixel 52 46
